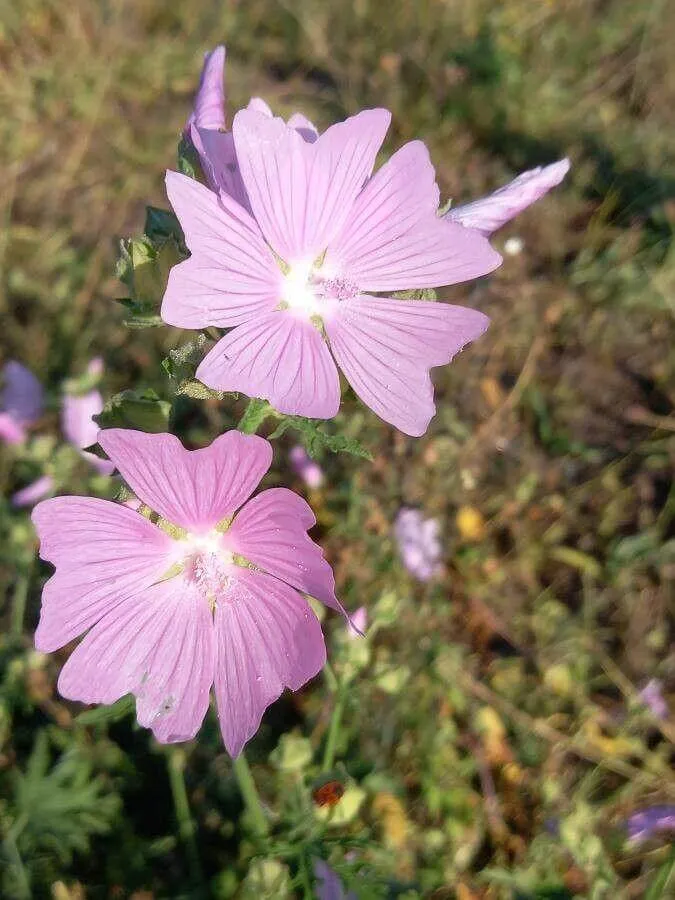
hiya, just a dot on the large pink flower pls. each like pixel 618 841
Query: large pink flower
pixel 490 213
pixel 298 274
pixel 211 593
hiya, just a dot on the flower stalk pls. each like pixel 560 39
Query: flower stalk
pixel 250 796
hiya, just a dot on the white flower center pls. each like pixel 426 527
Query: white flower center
pixel 308 291
pixel 208 564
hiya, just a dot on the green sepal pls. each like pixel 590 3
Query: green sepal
pixel 142 410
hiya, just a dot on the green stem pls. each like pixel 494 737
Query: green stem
pixel 19 601
pixel 186 825
pixel 250 795
pixel 10 846
pixel 334 729
pixel 254 415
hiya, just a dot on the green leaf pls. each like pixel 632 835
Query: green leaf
pixel 663 880
pixel 135 409
pixel 188 160
pixel 315 438
pixel 162 225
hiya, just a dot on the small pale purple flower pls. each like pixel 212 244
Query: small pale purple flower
pixel 306 467
pixel 644 824
pixel 490 213
pixel 328 884
pixel 212 594
pixel 652 696
pixel 21 402
pixel 418 543
pixel 33 492
pixel 78 424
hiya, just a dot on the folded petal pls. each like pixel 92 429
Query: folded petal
pixel 301 192
pixel 195 489
pixel 385 347
pixel 393 240
pixel 209 105
pixel 278 358
pixel 267 639
pixel 271 531
pixel 304 127
pixel 103 553
pixel 158 646
pixel 219 163
pixel 21 396
pixel 232 274
pixel 490 213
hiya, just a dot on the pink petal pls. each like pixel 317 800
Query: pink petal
pixel 76 418
pixel 304 127
pixel 232 275
pixel 267 639
pixel 277 358
pixel 257 104
pixel 21 396
pixel 490 213
pixel 33 492
pixel 103 553
pixel 11 431
pixel 393 239
pixel 209 106
pixel 385 347
pixel 271 531
pixel 219 163
pixel 196 489
pixel 301 192
pixel 158 646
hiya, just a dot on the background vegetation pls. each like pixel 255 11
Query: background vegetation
pixel 493 740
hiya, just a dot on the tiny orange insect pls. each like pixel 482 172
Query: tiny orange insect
pixel 328 794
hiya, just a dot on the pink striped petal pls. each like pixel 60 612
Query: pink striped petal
pixel 490 213
pixel 278 358
pixel 271 531
pixel 301 192
pixel 267 639
pixel 158 646
pixel 209 105
pixel 385 347
pixel 103 553
pixel 196 489
pixel 232 275
pixel 393 240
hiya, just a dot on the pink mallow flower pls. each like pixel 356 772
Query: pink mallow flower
pixel 78 424
pixel 305 467
pixel 207 130
pixel 21 402
pixel 295 279
pixel 418 543
pixel 490 213
pixel 209 595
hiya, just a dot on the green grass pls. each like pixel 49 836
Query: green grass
pixel 492 722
